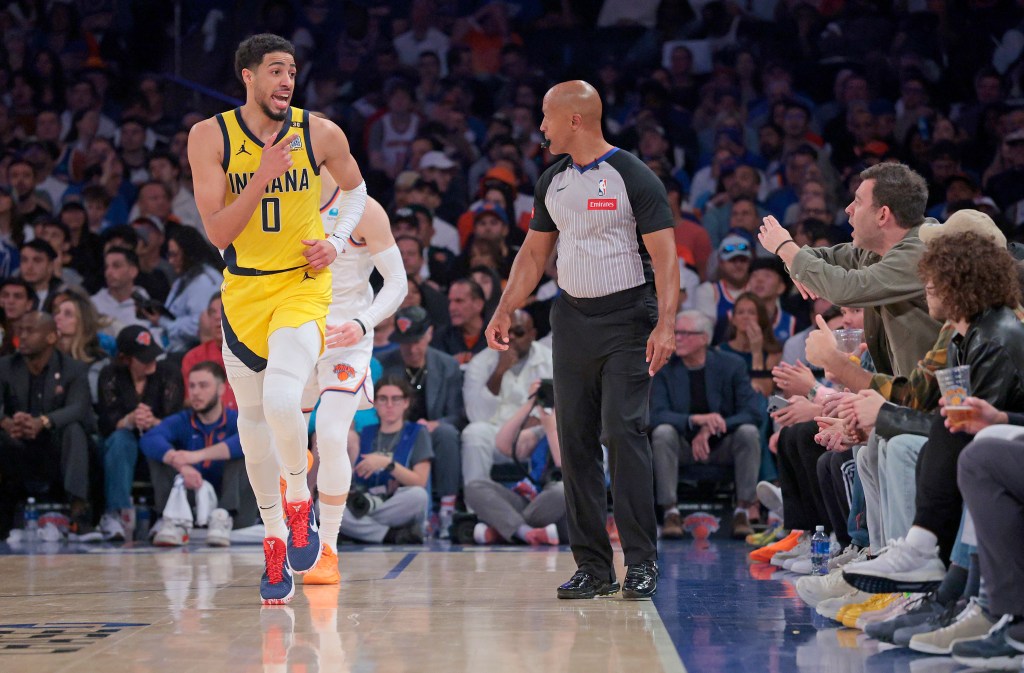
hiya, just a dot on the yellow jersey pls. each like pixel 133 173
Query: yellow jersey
pixel 289 211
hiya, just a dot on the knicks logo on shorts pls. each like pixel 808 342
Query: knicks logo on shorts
pixel 344 372
pixel 602 204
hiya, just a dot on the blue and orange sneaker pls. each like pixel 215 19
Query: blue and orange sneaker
pixel 303 536
pixel 276 586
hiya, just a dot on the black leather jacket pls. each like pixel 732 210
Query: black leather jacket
pixel 994 348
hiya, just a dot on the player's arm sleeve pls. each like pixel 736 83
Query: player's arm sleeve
pixel 351 205
pixel 387 301
pixel 541 218
pixel 647 197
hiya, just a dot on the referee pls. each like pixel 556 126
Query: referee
pixel 610 217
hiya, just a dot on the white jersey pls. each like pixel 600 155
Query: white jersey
pixel 350 272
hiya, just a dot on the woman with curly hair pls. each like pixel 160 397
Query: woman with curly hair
pixel 752 338
pixel 79 327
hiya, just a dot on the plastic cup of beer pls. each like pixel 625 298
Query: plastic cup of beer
pixel 955 383
pixel 848 341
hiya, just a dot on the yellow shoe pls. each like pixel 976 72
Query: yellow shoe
pixel 849 614
pixel 326 569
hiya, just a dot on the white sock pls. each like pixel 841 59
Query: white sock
pixel 671 510
pixel 522 531
pixel 922 540
pixel 330 524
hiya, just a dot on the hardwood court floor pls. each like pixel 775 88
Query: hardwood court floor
pixel 410 609
pixel 107 609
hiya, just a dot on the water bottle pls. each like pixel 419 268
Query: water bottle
pixel 819 551
pixel 31 520
pixel 142 521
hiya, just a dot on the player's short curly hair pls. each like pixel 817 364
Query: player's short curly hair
pixel 251 51
pixel 970 274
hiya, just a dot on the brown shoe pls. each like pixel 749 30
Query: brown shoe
pixel 672 529
pixel 741 526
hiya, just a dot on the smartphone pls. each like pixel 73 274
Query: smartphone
pixel 777 403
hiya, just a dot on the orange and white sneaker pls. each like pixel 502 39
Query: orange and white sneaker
pixel 326 569
pixel 765 554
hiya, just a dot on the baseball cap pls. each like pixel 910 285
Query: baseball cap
pixel 961 221
pixel 490 209
pixel 1014 136
pixel 142 223
pixel 734 246
pixel 406 179
pixel 411 323
pixel 501 173
pixel 773 264
pixel 436 159
pixel 136 341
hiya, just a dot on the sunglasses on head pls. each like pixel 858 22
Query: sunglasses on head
pixel 741 247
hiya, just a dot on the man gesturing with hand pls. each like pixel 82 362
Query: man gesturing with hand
pixel 877 271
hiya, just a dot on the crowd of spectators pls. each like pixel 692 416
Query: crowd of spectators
pixel 845 122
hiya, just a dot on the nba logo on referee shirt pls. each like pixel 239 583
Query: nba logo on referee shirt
pixel 605 203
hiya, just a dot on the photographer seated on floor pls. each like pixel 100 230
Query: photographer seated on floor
pixel 391 470
pixel 522 514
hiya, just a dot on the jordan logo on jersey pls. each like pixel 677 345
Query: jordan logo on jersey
pixel 306 276
pixel 242 150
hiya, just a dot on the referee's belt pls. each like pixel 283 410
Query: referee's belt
pixel 608 302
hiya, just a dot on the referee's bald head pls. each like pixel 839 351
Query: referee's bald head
pixel 572 117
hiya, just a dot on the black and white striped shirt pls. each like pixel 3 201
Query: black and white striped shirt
pixel 600 211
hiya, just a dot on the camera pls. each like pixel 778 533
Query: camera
pixel 361 503
pixel 545 395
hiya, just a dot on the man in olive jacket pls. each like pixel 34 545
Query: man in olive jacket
pixel 877 271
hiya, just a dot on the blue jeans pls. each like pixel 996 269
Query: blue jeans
pixel 120 452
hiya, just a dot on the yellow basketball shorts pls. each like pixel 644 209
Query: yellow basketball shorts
pixel 255 306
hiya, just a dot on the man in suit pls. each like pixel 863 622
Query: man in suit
pixel 704 410
pixel 436 380
pixel 46 418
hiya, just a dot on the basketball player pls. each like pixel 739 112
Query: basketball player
pixel 256 171
pixel 341 378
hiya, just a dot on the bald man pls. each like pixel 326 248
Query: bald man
pixel 45 422
pixel 612 326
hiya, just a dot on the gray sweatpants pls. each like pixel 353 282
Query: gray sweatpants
pixel 506 511
pixel 408 506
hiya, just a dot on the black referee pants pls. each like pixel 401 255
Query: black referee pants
pixel 601 391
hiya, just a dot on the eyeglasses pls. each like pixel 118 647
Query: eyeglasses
pixel 387 400
pixel 517 332
pixel 741 247
pixel 687 333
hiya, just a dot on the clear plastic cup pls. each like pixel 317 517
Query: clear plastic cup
pixel 955 383
pixel 849 340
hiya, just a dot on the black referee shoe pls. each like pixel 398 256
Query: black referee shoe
pixel 641 580
pixel 584 585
